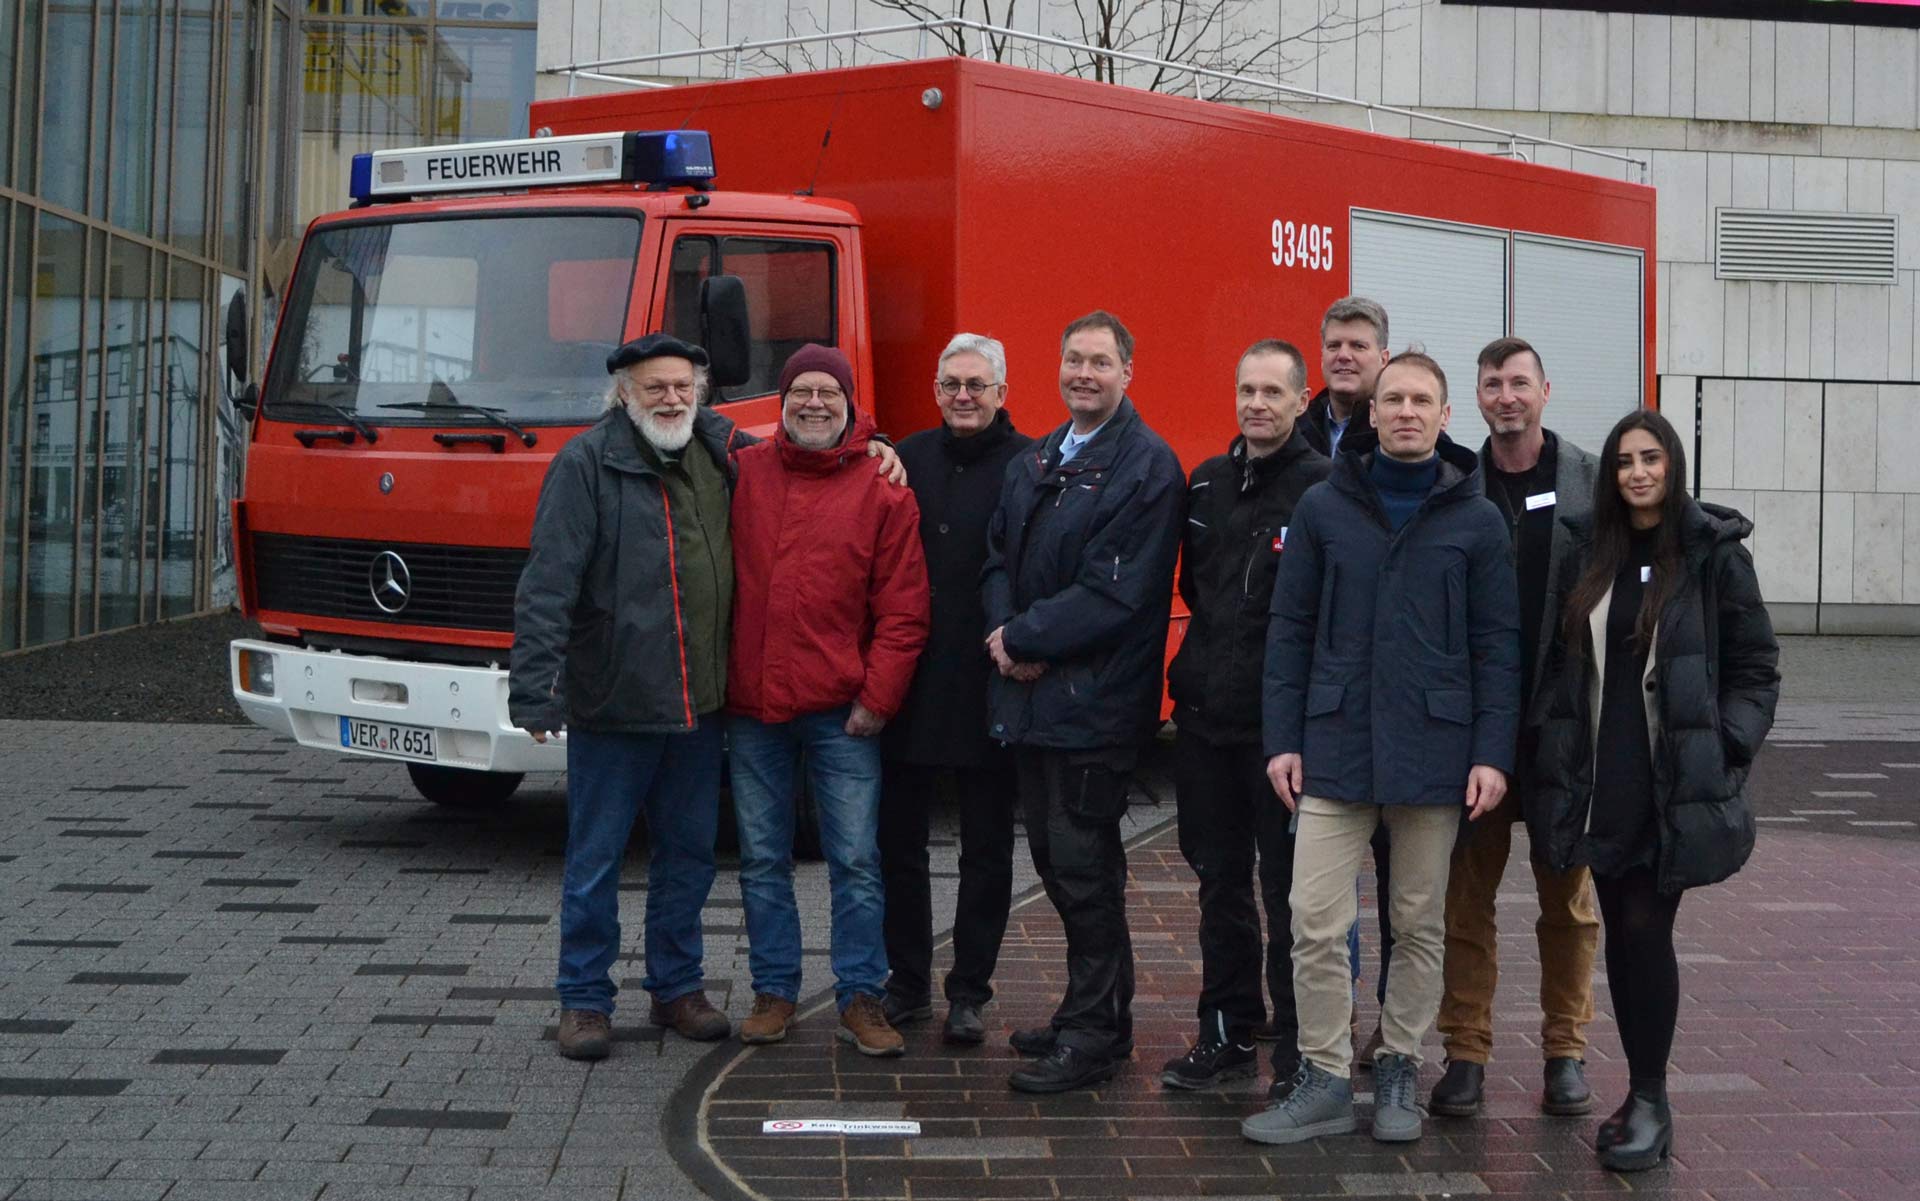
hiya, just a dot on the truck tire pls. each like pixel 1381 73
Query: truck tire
pixel 461 787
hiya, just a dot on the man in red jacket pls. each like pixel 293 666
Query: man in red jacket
pixel 830 612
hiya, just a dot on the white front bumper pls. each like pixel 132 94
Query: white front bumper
pixel 466 707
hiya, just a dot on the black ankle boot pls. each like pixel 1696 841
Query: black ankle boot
pixel 1609 1132
pixel 1646 1130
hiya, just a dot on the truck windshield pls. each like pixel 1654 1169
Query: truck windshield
pixel 512 314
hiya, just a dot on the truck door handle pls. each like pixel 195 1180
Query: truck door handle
pixel 497 442
pixel 308 437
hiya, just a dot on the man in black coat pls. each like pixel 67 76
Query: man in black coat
pixel 940 734
pixel 1239 506
pixel 1078 589
pixel 1392 697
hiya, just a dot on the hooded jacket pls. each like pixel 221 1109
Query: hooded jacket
pixel 1393 659
pixel 830 584
pixel 599 635
pixel 1238 513
pixel 1080 572
pixel 957 483
pixel 1711 684
pixel 1317 423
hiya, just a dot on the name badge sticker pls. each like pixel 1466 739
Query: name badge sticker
pixel 1646 575
pixel 1541 500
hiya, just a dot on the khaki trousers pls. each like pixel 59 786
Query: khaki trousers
pixel 1568 931
pixel 1329 849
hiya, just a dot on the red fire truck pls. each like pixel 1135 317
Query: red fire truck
pixel 445 335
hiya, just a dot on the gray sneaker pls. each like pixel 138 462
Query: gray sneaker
pixel 1396 1112
pixel 1320 1103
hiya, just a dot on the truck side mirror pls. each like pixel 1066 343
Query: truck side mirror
pixel 725 330
pixel 247 402
pixel 236 337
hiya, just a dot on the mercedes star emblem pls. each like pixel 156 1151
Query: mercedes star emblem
pixel 386 483
pixel 390 582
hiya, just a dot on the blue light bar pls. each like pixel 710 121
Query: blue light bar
pixel 360 183
pixel 669 158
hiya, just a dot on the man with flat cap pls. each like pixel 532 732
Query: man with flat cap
pixel 620 633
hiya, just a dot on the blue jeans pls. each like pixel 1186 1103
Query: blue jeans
pixel 845 774
pixel 611 779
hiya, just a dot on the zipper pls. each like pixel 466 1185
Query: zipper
pixel 1116 569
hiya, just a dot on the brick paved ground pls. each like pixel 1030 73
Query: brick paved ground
pixel 1797 1061
pixel 233 968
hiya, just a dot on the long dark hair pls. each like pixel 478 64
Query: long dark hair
pixel 1612 529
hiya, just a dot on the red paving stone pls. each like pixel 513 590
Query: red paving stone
pixel 1797 1061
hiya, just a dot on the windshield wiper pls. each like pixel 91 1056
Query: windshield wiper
pixel 439 396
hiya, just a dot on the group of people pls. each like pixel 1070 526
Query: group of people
pixel 1395 645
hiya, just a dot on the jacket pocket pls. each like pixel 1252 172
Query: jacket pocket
pixel 1707 841
pixel 1323 699
pixel 1329 595
pixel 1095 792
pixel 1450 704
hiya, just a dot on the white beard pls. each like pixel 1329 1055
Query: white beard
pixel 665 434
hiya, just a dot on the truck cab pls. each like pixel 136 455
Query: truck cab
pixel 441 340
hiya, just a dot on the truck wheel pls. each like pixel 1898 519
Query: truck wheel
pixel 463 788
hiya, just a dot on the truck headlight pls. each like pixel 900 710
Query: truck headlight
pixel 256 672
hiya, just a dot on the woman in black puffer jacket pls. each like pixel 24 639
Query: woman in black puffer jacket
pixel 1657 696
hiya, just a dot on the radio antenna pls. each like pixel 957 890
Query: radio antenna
pixel 825 138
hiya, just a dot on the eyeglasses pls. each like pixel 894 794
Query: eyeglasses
pixel 975 388
pixel 823 395
pixel 658 391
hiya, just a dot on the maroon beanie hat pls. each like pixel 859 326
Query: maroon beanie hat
pixel 815 357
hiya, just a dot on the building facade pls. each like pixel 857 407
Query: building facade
pixel 1785 153
pixel 158 159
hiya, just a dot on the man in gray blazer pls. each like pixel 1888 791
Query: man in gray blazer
pixel 1534 478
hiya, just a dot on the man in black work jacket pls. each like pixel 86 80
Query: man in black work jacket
pixel 1239 505
pixel 941 731
pixel 1078 589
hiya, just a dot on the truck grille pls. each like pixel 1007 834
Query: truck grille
pixel 459 587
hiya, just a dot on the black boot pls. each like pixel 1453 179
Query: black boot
pixel 1609 1132
pixel 1458 1093
pixel 1646 1130
pixel 1566 1093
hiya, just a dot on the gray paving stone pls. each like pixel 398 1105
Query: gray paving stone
pixel 94 1190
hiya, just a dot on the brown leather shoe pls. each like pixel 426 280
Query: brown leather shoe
pixel 585 1034
pixel 864 1024
pixel 691 1016
pixel 769 1020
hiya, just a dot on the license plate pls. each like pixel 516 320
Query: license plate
pixel 386 738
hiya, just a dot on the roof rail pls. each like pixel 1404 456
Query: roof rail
pixel 1512 138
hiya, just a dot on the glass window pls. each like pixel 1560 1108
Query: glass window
pixel 236 128
pixel 9 23
pixel 13 398
pixel 790 298
pixel 123 435
pixel 367 87
pixel 483 85
pixel 89 413
pixel 516 314
pixel 57 390
pixel 229 445
pixel 180 420
pixel 163 124
pixel 131 142
pixel 275 208
pixel 193 76
pixel 64 107
pixel 101 99
pixel 32 12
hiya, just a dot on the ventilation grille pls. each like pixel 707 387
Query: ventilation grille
pixel 1846 248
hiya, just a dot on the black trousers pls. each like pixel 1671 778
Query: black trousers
pixel 1072 802
pixel 986 802
pixel 1229 818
